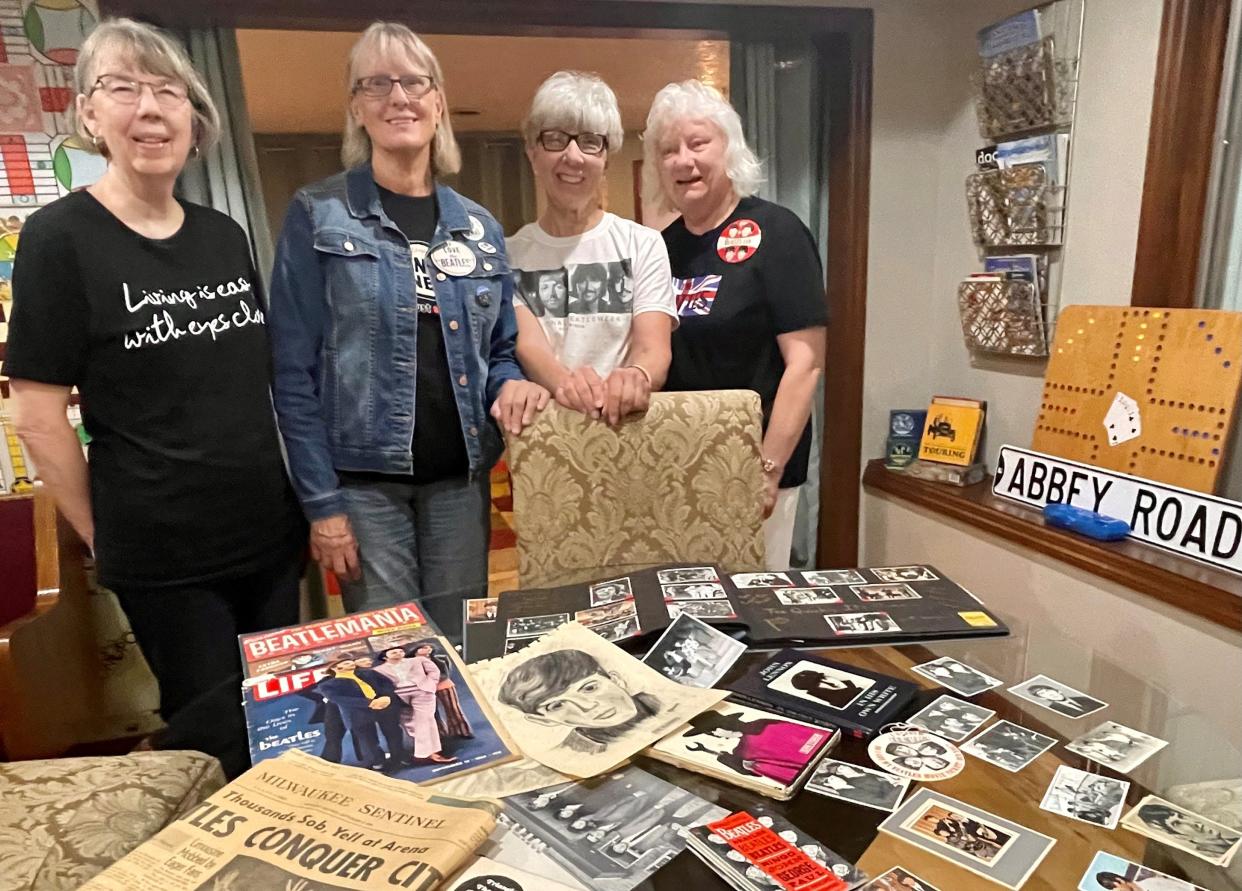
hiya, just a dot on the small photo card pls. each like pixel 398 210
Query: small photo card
pixel 905 574
pixel 879 593
pixel 805 596
pixel 1185 830
pixel 951 718
pixel 862 623
pixel 611 591
pixel 821 577
pixel 1009 746
pixel 535 626
pixel 1108 872
pixel 987 845
pixel 1084 796
pixel 957 676
pixel 1061 698
pixel 694 591
pixel 858 785
pixel 762 580
pixel 687 574
pixel 1117 746
pixel 693 653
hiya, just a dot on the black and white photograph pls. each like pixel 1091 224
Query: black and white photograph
pixel 821 684
pixel 762 580
pixel 904 574
pixel 693 653
pixel 619 630
pixel 821 577
pixel 870 593
pixel 578 289
pixel 1009 746
pixel 704 609
pixel 241 872
pixel 611 591
pixel 957 676
pixel 1179 828
pixel 988 845
pixel 687 574
pixel 694 591
pixel 951 718
pixel 513 644
pixel 1117 746
pixel 609 612
pixel 1084 796
pixel 611 832
pixel 858 785
pixel 862 623
pixel 533 626
pixel 1043 691
pixel 899 879
pixel 801 596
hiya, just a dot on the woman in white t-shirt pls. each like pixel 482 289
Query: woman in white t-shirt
pixel 594 298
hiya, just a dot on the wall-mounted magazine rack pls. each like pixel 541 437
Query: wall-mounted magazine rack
pixel 1004 318
pixel 1025 89
pixel 1028 88
pixel 1016 207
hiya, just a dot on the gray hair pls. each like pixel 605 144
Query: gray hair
pixel 577 102
pixel 693 100
pixel 154 51
pixel 379 39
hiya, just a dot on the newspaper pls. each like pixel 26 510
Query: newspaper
pixel 298 823
pixel 581 705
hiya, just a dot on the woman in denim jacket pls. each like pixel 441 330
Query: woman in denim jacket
pixel 393 337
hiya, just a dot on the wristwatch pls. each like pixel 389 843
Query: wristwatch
pixel 769 464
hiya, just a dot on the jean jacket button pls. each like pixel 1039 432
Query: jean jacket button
pixel 348 245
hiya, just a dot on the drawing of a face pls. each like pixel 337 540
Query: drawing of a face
pixel 720 741
pixel 594 701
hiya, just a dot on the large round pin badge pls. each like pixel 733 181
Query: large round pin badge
pixel 739 241
pixel 916 754
pixel 476 229
pixel 454 258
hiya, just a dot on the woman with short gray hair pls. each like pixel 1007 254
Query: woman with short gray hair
pixel 151 308
pixel 595 298
pixel 750 288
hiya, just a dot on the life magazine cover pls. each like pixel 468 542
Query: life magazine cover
pixel 581 705
pixel 299 823
pixel 375 689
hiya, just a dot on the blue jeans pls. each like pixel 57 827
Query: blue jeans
pixel 425 542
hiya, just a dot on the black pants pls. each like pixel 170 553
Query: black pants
pixel 189 637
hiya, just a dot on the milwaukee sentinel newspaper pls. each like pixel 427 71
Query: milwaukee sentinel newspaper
pixel 298 822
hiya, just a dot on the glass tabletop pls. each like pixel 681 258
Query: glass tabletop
pixel 1178 700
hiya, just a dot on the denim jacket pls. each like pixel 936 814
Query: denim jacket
pixel 343 325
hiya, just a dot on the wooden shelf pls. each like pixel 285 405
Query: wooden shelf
pixel 1186 584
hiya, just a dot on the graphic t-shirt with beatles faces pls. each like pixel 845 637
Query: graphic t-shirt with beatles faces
pixel 586 289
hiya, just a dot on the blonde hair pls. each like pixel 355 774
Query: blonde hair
pixel 154 51
pixel 578 102
pixel 696 101
pixel 379 39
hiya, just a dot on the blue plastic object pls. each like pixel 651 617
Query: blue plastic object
pixel 1085 522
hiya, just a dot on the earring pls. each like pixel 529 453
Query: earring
pixel 97 140
pixel 194 150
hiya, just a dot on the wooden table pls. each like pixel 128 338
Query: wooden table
pixel 851 830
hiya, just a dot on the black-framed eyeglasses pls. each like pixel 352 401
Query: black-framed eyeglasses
pixel 169 94
pixel 416 86
pixel 559 140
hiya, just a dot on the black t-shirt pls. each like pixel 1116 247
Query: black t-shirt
pixel 166 342
pixel 439 446
pixel 731 312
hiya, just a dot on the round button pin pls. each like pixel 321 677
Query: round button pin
pixel 454 258
pixel 476 229
pixel 739 241
pixel 487 247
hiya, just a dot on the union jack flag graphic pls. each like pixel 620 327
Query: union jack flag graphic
pixel 696 295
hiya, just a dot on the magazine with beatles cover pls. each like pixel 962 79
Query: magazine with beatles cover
pixel 764 851
pixel 377 689
pixel 803 686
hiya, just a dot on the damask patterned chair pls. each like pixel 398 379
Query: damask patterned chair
pixel 680 483
pixel 63 821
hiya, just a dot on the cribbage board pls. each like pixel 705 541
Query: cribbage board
pixel 1149 392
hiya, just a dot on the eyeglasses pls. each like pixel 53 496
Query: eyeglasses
pixel 169 94
pixel 559 140
pixel 416 86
